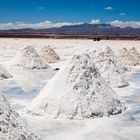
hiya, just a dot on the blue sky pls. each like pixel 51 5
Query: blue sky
pixel 15 14
pixel 32 11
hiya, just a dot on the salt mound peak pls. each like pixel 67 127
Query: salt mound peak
pixel 108 51
pixel 135 53
pixel 77 92
pixel 110 67
pixel 50 55
pixel 12 127
pixel 28 58
pixel 4 74
pixel 127 57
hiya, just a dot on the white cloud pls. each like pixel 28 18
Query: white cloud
pixel 95 21
pixel 41 25
pixel 122 14
pixel 108 8
pixel 49 24
pixel 123 24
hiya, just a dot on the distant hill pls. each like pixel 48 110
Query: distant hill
pixel 83 29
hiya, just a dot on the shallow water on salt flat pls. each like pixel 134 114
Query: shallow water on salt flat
pixel 25 85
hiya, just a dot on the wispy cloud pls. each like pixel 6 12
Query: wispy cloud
pixel 41 25
pixel 122 14
pixel 108 8
pixel 123 24
pixel 95 21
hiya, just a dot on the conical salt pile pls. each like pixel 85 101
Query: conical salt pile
pixel 135 53
pixel 110 67
pixel 108 51
pixel 77 92
pixel 50 55
pixel 27 58
pixel 4 74
pixel 12 127
pixel 128 58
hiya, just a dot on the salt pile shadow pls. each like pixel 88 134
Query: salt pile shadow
pixel 4 74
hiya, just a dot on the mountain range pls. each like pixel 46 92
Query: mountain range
pixel 83 29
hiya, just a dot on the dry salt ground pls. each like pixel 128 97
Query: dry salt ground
pixel 28 58
pixel 128 58
pixel 124 126
pixel 50 55
pixel 12 127
pixel 4 74
pixel 77 92
pixel 110 66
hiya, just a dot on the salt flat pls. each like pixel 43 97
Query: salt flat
pixel 66 47
pixel 25 85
